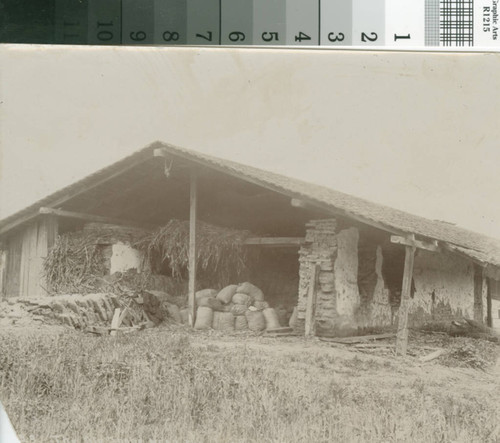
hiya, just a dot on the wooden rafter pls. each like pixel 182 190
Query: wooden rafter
pixel 89 217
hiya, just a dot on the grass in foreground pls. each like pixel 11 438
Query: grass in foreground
pixel 161 385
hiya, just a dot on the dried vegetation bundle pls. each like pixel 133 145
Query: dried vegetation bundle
pixel 221 255
pixel 76 263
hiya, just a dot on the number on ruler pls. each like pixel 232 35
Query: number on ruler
pixel 302 36
pixel 397 37
pixel 104 35
pixel 207 37
pixel 365 37
pixel 336 38
pixel 138 36
pixel 270 36
pixel 237 36
pixel 170 36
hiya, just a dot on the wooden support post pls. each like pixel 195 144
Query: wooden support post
pixel 310 327
pixel 478 293
pixel 489 313
pixel 402 335
pixel 192 247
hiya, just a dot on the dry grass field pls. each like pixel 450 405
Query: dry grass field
pixel 172 384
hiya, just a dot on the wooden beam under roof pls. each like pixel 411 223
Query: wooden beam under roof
pixel 411 241
pixel 275 241
pixel 91 217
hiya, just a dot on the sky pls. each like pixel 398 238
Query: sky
pixel 413 130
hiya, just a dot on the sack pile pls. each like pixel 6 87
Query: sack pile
pixel 235 307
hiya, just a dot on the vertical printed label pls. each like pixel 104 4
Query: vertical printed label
pixel 203 26
pixel 71 22
pixel 368 22
pixel 137 22
pixel 104 18
pixel 170 22
pixel 302 22
pixel 486 23
pixel 237 22
pixel 405 23
pixel 269 22
pixel 336 23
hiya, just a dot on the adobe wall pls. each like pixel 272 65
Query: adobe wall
pixel 352 293
pixel 444 288
pixel 337 297
pixel 124 257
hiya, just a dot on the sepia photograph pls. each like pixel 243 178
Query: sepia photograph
pixel 247 243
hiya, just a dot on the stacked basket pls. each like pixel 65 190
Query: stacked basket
pixel 235 307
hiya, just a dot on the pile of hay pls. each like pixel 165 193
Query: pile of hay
pixel 76 263
pixel 221 255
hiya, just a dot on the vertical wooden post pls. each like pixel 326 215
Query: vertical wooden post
pixel 310 326
pixel 402 335
pixel 192 247
pixel 489 313
pixel 478 293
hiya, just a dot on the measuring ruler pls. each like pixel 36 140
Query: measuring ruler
pixel 387 24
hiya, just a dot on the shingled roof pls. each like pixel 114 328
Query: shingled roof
pixel 480 248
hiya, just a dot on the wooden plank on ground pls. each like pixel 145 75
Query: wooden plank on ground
pixel 402 335
pixel 115 322
pixel 433 355
pixel 357 339
pixel 282 330
pixel 310 326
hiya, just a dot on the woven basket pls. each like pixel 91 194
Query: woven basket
pixel 256 320
pixel 225 295
pixel 251 290
pixel 240 323
pixel 261 305
pixel 242 299
pixel 223 321
pixel 239 309
pixel 271 317
pixel 204 318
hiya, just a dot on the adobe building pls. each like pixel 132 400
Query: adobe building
pixel 343 262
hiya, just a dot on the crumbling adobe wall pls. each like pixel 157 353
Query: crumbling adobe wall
pixel 444 288
pixel 320 247
pixel 375 307
pixel 121 257
pixel 337 291
pixel 345 273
